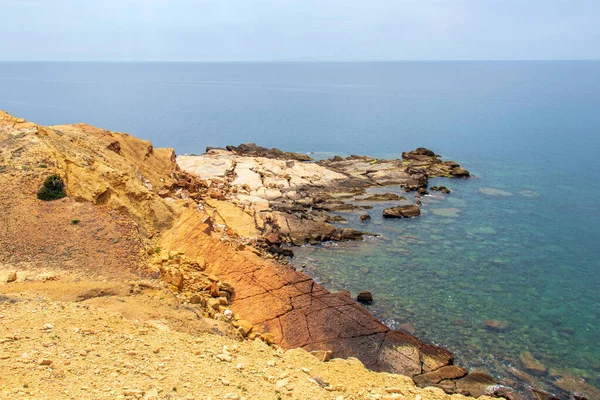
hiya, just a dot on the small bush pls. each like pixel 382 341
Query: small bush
pixel 75 221
pixel 52 189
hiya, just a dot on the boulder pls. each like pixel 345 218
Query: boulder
pixel 273 239
pixel 476 384
pixel 402 212
pixel 347 234
pixel 273 249
pixel 419 154
pixel 322 355
pixel 459 172
pixel 364 217
pixel 213 288
pixel 442 189
pixel 243 326
pixel 213 303
pixel 198 299
pixel 365 297
pixel 451 164
pixel 422 191
pixel 174 278
pixel 532 365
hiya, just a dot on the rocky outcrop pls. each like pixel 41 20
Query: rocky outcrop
pixel 252 150
pixel 205 233
pixel 293 199
pixel 382 197
pixel 297 312
pixel 402 212
pixel 435 377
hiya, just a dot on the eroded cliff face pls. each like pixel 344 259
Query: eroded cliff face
pixel 131 200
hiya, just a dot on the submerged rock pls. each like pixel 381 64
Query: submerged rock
pixel 577 387
pixel 365 217
pixel 408 211
pixel 476 384
pixel 529 193
pixel 408 328
pixel 496 325
pixel 494 192
pixel 446 212
pixel 532 365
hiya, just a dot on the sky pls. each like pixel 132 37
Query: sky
pixel 298 30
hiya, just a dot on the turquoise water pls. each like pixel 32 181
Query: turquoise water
pixel 531 260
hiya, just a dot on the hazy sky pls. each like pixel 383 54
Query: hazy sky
pixel 281 30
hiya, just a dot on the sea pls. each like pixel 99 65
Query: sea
pixel 518 243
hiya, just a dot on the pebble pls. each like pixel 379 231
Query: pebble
pixel 131 392
pixel 224 357
pixel 393 390
pixel 12 276
pixel 281 383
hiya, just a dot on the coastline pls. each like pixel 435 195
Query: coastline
pixel 267 293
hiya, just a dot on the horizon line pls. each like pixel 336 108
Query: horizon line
pixel 294 61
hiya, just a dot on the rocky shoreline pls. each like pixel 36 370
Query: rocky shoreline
pixel 231 215
pixel 289 198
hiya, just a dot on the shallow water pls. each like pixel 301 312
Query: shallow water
pixel 529 259
pixel 472 257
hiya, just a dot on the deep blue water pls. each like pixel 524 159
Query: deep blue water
pixel 531 260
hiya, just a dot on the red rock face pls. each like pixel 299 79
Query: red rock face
pixel 298 312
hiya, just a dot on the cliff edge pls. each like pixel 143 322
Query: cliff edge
pixel 132 224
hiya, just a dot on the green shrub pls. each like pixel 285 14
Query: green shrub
pixel 52 189
pixel 75 221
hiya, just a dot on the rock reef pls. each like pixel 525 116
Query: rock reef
pixel 291 198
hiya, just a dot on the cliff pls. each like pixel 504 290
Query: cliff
pixel 134 228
